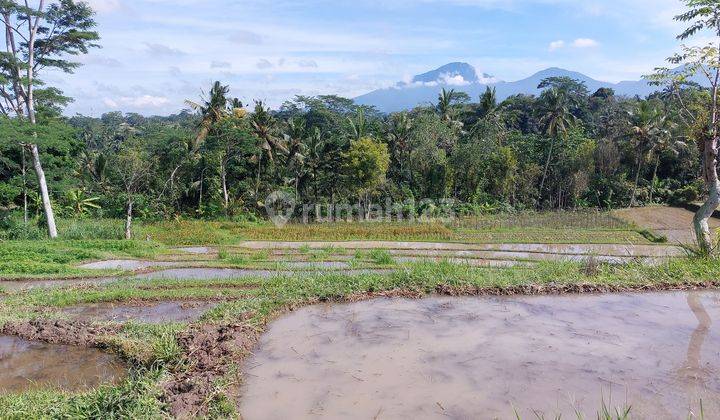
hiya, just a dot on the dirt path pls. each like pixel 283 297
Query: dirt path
pixel 672 222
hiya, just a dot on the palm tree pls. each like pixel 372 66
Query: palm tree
pixel 212 110
pixel 488 102
pixel 358 125
pixel 446 107
pixel 399 128
pixel 557 120
pixel 297 151
pixel 648 131
pixel 265 127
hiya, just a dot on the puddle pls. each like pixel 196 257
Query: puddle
pixel 196 250
pixel 609 250
pixel 18 285
pixel 473 262
pixel 468 358
pixel 206 273
pixel 125 265
pixel 26 365
pixel 230 273
pixel 152 313
pixel 316 264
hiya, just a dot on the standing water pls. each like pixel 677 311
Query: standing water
pixel 28 365
pixel 489 357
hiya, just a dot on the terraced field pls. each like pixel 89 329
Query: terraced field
pixel 168 327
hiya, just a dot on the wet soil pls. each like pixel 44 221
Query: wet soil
pixel 26 365
pixel 481 357
pixel 672 222
pixel 150 313
pixel 17 285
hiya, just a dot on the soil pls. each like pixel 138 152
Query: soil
pixel 74 333
pixel 672 222
pixel 485 357
pixel 147 312
pixel 212 352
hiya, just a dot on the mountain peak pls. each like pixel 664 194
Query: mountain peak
pixel 458 72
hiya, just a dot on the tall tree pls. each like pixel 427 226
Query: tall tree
pixel 39 37
pixel 557 119
pixel 649 129
pixel 703 17
pixel 211 110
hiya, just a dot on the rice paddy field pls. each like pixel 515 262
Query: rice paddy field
pixel 177 322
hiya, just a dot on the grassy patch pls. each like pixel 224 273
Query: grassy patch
pixel 57 258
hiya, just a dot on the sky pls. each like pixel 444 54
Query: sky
pixel 157 53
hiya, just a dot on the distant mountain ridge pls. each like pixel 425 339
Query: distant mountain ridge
pixel 424 88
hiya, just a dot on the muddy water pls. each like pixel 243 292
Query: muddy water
pixel 230 273
pixel 468 358
pixel 28 365
pixel 17 285
pixel 152 313
pixel 126 265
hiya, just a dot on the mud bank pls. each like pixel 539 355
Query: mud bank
pixel 150 312
pixel 481 357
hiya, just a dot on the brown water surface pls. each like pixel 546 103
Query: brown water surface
pixel 26 365
pixel 481 358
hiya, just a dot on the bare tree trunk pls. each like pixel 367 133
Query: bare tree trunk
pixel 637 181
pixel 25 195
pixel 654 179
pixel 547 168
pixel 49 215
pixel 223 175
pixel 710 162
pixel 700 222
pixel 128 220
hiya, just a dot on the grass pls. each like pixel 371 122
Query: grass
pixel 57 258
pixel 154 351
pixel 536 227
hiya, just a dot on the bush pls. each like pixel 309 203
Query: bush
pixel 684 195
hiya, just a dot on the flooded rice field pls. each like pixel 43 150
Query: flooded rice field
pixel 465 358
pixel 126 265
pixel 150 313
pixel 26 365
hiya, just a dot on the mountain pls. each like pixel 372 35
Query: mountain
pixel 424 88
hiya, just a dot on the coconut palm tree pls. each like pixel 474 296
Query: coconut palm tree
pixel 265 127
pixel 211 110
pixel 398 130
pixel 358 125
pixel 649 129
pixel 557 119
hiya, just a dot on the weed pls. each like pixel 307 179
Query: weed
pixel 381 257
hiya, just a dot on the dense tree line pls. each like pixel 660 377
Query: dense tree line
pixel 567 148
pixel 564 149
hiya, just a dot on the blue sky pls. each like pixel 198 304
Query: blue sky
pixel 156 53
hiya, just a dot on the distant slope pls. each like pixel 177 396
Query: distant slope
pixel 424 88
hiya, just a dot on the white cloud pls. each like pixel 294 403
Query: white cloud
pixel 264 64
pixel 143 101
pixel 585 43
pixel 105 6
pixel 556 45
